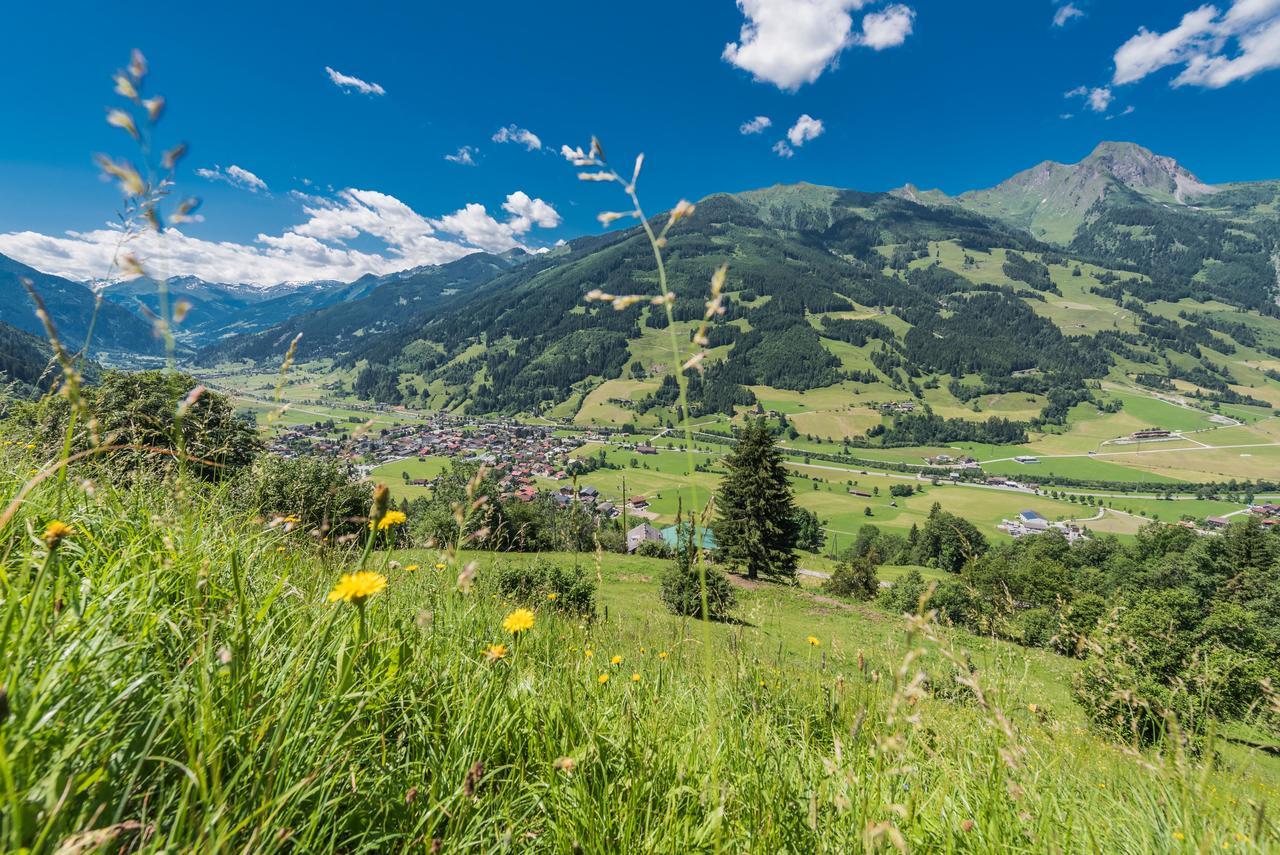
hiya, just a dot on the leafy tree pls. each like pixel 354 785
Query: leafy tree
pixel 755 524
pixel 809 534
pixel 948 541
pixel 854 576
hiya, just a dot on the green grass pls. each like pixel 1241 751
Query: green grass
pixel 176 680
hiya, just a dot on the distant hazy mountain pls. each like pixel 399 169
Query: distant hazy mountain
pixel 71 306
pixel 218 310
pixel 333 319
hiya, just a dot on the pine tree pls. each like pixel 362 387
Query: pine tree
pixel 755 525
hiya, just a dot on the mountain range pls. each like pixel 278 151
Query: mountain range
pixel 827 285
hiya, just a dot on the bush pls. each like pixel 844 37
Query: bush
pixel 655 549
pixel 682 591
pixel 541 583
pixel 138 410
pixel 326 496
pixel 854 577
pixel 904 595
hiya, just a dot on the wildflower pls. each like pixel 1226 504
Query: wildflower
pixel 635 678
pixel 565 764
pixel 813 641
pixel 389 519
pixel 440 565
pixel 552 596
pixel 602 679
pixel 1178 835
pixel 279 549
pixel 590 652
pixel 662 654
pixel 642 650
pixel 411 568
pixel 54 532
pixel 617 660
pixel 494 652
pixel 357 587
pixel 518 621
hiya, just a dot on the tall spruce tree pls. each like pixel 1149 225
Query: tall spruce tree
pixel 755 524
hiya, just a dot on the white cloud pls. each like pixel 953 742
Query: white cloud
pixel 1214 48
pixel 806 128
pixel 235 176
pixel 320 247
pixel 465 156
pixel 524 136
pixel 792 42
pixel 526 213
pixel 755 126
pixel 781 149
pixel 1097 99
pixel 347 83
pixel 1065 13
pixel 890 28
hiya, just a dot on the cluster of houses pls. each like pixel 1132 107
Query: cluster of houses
pixel 523 452
pixel 1030 523
pixel 1268 514
pixel 948 460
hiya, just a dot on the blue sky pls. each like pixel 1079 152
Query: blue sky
pixel 331 181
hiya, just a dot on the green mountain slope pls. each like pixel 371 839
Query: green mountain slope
pixel 71 306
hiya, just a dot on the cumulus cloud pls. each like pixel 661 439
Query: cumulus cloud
pixel 792 42
pixel 466 155
pixel 1214 48
pixel 235 176
pixel 1097 99
pixel 806 128
pixel 781 149
pixel 890 28
pixel 319 247
pixel 523 136
pixel 1064 14
pixel 347 83
pixel 755 126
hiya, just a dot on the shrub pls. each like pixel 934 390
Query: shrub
pixel 682 591
pixel 326 496
pixel 904 595
pixel 655 549
pixel 139 410
pixel 541 583
pixel 854 577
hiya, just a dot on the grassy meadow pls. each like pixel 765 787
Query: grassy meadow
pixel 175 679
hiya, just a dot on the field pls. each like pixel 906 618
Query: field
pixel 228 706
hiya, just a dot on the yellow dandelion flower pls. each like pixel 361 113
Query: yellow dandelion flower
pixel 813 641
pixel 662 654
pixel 553 596
pixel 411 568
pixel 389 519
pixel 279 549
pixel 590 652
pixel 1178 835
pixel 55 531
pixel 494 652
pixel 518 621
pixel 357 587
pixel 635 678
pixel 602 679
pixel 617 660
pixel 642 650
